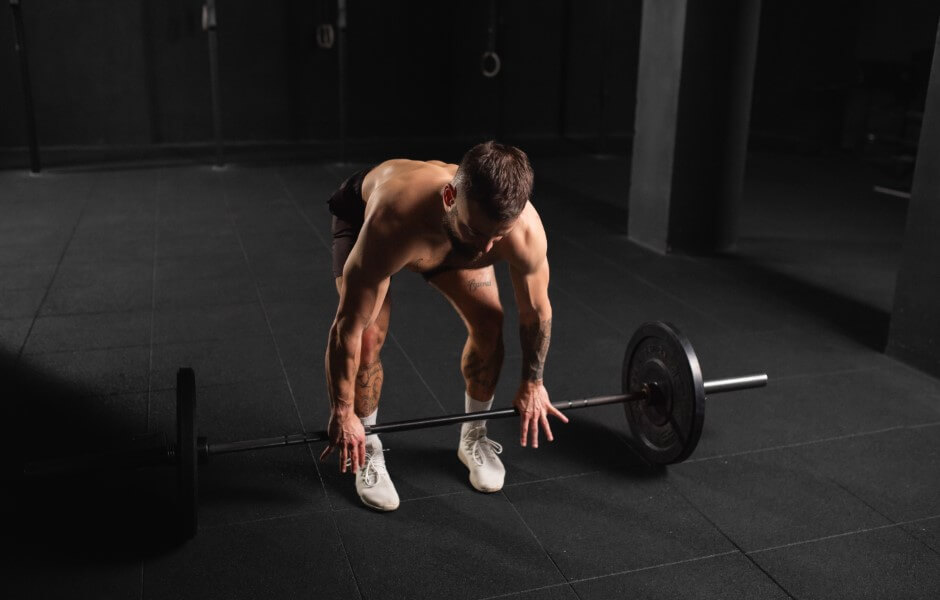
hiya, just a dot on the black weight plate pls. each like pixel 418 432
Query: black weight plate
pixel 187 465
pixel 668 424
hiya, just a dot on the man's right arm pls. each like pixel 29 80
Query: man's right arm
pixel 366 276
pixel 361 296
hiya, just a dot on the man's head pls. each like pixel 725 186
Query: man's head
pixel 488 193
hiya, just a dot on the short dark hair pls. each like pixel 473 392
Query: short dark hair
pixel 498 177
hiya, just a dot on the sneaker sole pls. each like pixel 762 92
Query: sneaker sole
pixel 484 490
pixel 376 507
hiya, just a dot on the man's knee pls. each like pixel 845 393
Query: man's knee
pixel 486 328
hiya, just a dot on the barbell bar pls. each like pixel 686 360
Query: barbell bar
pixel 206 450
pixel 663 394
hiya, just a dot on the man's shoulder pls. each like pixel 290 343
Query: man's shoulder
pixel 528 242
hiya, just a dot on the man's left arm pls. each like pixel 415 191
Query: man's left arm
pixel 530 285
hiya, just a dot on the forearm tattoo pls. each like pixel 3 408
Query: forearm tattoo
pixel 368 388
pixel 535 338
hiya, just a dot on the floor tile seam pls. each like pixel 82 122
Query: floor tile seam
pixel 228 340
pixel 269 519
pixel 30 288
pixel 630 445
pixel 654 567
pixel 153 302
pixel 534 537
pixel 93 313
pixel 414 368
pixel 342 543
pixel 299 209
pixel 273 336
pixel 344 508
pixel 862 531
pixel 12 319
pixel 469 492
pixel 185 280
pixel 133 391
pixel 33 288
pixel 800 444
pixel 865 502
pixel 824 374
pixel 911 368
pixel 691 306
pixel 166 311
pixel 677 489
pixel 55 272
pixel 161 344
pixel 530 590
pixel 218 386
pixel 598 315
pixel 550 479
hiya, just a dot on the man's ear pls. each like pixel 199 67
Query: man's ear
pixel 449 194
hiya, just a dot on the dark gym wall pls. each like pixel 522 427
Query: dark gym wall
pixel 89 86
pixel 828 72
pixel 604 41
pixel 122 73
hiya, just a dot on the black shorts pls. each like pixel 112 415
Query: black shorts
pixel 348 209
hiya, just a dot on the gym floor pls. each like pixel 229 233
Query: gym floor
pixel 822 485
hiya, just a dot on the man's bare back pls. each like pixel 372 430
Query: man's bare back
pixel 403 198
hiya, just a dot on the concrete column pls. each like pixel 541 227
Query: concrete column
pixel 915 321
pixel 694 82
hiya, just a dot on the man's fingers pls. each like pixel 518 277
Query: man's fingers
pixel 557 413
pixel 534 429
pixel 343 458
pixel 524 424
pixel 362 454
pixel 547 428
pixel 354 455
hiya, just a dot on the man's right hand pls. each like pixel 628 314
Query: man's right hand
pixel 349 436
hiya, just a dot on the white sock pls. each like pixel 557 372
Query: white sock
pixel 472 406
pixel 370 420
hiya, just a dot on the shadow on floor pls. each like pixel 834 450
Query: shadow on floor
pixel 102 515
pixel 856 320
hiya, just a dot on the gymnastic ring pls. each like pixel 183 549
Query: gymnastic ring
pixel 208 17
pixel 491 56
pixel 326 36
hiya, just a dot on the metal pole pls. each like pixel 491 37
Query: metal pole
pixel 341 58
pixel 210 24
pixel 717 386
pixel 20 33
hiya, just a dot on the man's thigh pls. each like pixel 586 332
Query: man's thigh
pixel 473 292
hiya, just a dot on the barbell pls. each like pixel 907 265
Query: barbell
pixel 662 391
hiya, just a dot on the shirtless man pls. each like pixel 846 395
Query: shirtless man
pixel 450 223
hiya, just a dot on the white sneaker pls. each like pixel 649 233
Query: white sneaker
pixel 478 453
pixel 373 484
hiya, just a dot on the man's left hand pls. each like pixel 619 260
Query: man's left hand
pixel 534 407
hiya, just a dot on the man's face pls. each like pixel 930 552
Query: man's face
pixel 471 233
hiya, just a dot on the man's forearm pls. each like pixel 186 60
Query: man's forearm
pixel 341 367
pixel 535 334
